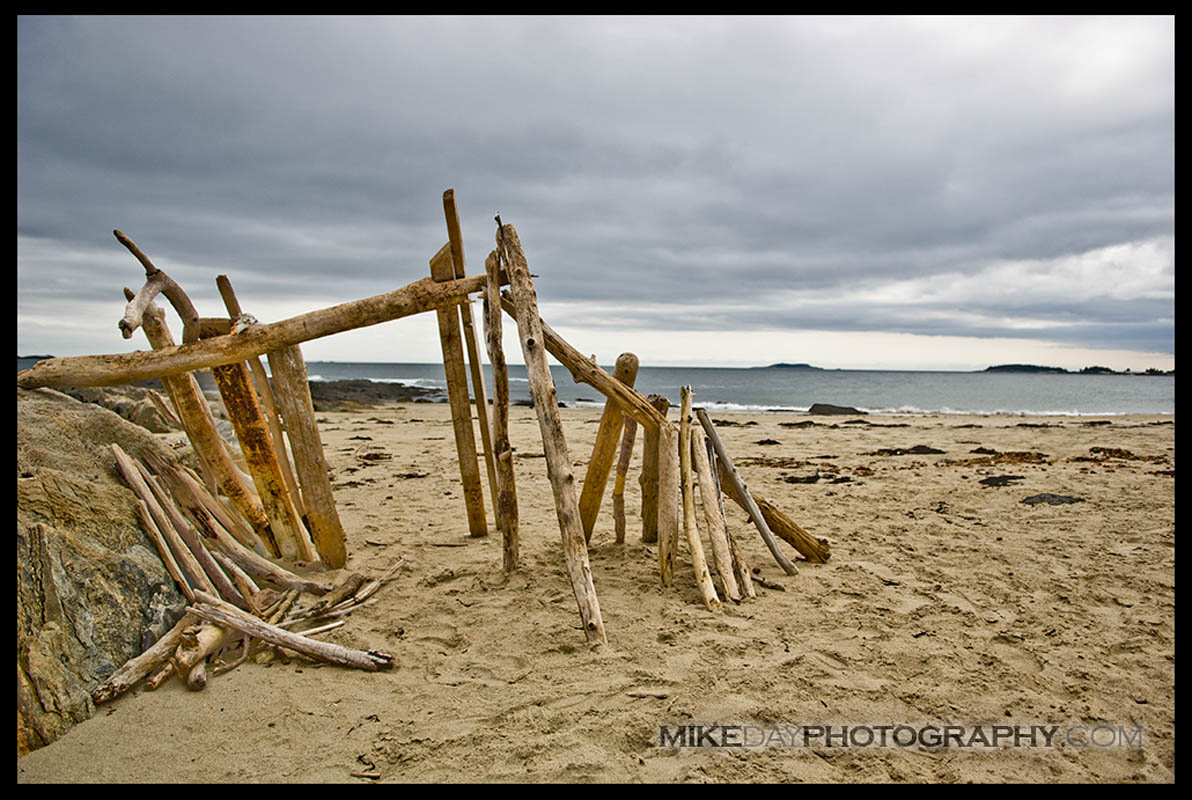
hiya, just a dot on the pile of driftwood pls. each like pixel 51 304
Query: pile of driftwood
pixel 289 511
pixel 206 550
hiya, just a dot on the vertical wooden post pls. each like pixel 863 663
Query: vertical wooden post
pixel 649 477
pixel 668 501
pixel 455 238
pixel 298 411
pixel 699 563
pixel 622 471
pixel 442 269
pixel 558 462
pixel 709 495
pixel 506 506
pixel 605 449
pixel 196 416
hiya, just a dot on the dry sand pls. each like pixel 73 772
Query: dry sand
pixel 945 601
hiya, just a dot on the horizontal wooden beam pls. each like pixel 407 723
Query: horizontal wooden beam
pixel 108 370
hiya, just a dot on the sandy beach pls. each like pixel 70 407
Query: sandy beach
pixel 947 600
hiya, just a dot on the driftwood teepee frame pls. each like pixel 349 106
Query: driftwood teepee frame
pixel 286 497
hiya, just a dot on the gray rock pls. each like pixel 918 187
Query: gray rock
pixel 828 408
pixel 91 590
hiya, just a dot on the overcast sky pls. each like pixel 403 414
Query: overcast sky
pixel 848 192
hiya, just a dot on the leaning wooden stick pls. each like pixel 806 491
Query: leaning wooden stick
pixel 699 563
pixel 740 566
pixel 739 485
pixel 441 268
pixel 506 503
pixel 558 461
pixel 213 610
pixel 623 459
pixel 456 240
pixel 604 451
pixel 713 517
pixel 669 514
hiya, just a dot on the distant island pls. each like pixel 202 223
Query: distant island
pixel 1061 371
pixel 784 365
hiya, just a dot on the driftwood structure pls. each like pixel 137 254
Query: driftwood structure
pixel 224 532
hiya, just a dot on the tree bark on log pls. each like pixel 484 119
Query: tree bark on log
pixel 211 609
pixel 442 268
pixel 506 503
pixel 722 555
pixel 648 480
pixel 699 564
pixel 116 368
pixel 298 411
pixel 558 461
pixel 604 451
pixel 456 240
pixel 738 485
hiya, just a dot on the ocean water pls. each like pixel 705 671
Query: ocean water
pixel 761 389
pixel 728 390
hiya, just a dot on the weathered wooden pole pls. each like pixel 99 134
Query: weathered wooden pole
pixel 669 513
pixel 739 487
pixel 298 412
pixel 116 368
pixel 558 461
pixel 456 240
pixel 699 564
pixel 265 393
pixel 623 459
pixel 649 477
pixel 442 269
pixel 506 504
pixel 604 452
pixel 740 564
pixel 714 518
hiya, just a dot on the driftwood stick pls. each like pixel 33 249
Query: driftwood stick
pixel 156 281
pixel 298 411
pixel 505 508
pixel 217 580
pixel 198 643
pixel 290 537
pixel 442 268
pixel 815 549
pixel 741 569
pixel 107 370
pixel 699 563
pixel 345 588
pixel 623 459
pixel 186 561
pixel 669 519
pixel 200 427
pixel 604 451
pixel 558 461
pixel 722 556
pixel 163 673
pixel 455 237
pixel 649 477
pixel 211 609
pixel 264 391
pixel 739 486
pixel 138 667
pixel 163 550
pixel 244 582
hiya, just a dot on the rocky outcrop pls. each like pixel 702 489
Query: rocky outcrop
pixel 91 590
pixel 829 409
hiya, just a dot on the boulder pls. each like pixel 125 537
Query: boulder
pixel 91 589
pixel 829 409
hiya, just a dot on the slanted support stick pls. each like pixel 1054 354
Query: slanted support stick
pixel 604 451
